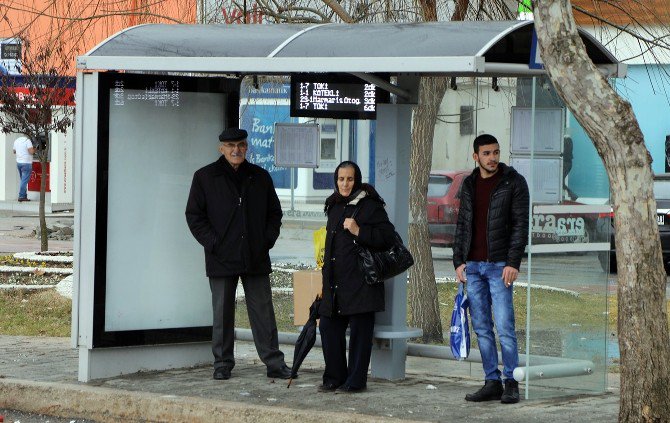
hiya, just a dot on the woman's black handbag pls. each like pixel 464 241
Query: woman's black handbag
pixel 377 266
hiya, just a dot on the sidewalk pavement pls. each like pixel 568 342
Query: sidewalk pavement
pixel 39 375
pixel 16 231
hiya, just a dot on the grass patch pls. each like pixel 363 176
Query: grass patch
pixel 283 305
pixel 34 313
pixel 549 309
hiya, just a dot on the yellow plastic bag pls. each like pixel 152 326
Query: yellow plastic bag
pixel 319 245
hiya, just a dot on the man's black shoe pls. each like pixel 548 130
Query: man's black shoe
pixel 281 373
pixel 491 391
pixel 327 387
pixel 222 373
pixel 511 393
pixel 346 389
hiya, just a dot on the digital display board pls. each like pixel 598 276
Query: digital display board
pixel 336 96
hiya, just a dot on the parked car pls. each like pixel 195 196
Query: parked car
pixel 443 203
pixel 605 225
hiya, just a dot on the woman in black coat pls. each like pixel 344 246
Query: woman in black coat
pixel 347 299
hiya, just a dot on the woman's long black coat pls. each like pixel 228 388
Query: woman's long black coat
pixel 345 292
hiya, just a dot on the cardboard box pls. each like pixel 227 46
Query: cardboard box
pixel 306 286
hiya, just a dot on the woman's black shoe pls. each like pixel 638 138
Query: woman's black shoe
pixel 327 387
pixel 350 390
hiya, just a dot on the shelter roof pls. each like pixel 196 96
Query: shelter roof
pixel 449 48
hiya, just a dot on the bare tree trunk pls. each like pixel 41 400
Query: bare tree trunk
pixel 644 340
pixel 424 307
pixel 422 290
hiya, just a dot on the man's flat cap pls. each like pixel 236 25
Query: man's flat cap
pixel 233 134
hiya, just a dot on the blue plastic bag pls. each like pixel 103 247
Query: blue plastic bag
pixel 460 330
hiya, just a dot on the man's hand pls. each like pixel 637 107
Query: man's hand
pixel 460 273
pixel 509 275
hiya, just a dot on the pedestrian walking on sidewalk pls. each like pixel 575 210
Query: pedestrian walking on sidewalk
pixel 348 301
pixel 233 211
pixel 24 150
pixel 491 235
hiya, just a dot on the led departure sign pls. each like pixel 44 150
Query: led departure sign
pixel 334 96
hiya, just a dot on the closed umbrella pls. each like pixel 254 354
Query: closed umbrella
pixel 460 330
pixel 306 339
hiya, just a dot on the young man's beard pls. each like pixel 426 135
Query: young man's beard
pixel 489 168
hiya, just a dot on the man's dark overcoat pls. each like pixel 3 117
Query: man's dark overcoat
pixel 343 285
pixel 235 216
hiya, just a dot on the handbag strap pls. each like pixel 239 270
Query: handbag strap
pixel 460 287
pixel 353 215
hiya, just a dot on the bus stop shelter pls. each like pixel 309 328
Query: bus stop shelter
pixel 150 101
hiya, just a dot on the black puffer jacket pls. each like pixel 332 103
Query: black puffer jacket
pixel 344 290
pixel 507 231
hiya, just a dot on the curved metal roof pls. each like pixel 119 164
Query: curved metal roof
pixel 457 48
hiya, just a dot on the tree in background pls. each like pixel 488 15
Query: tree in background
pixel 37 103
pixel 53 33
pixel 644 339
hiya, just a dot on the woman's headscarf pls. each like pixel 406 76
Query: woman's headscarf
pixel 359 186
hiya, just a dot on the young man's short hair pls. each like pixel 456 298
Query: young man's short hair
pixel 484 139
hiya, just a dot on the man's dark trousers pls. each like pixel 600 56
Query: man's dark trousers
pixel 258 298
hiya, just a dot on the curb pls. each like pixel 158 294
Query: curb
pixel 112 405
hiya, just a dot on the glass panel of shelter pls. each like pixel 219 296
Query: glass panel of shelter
pixel 565 338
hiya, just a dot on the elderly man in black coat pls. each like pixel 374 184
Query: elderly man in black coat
pixel 234 213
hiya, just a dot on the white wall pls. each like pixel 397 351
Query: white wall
pixel 9 177
pixel 451 150
pixel 62 174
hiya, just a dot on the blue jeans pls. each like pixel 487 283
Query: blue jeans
pixel 25 169
pixel 487 292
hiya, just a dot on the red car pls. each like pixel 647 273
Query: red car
pixel 443 204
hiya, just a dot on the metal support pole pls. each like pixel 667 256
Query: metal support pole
pixel 392 150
